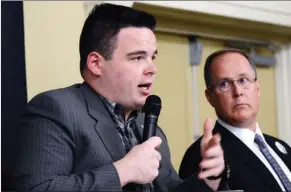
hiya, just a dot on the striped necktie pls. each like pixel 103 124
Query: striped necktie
pixel 263 147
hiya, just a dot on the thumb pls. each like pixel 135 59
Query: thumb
pixel 207 135
pixel 208 127
pixel 154 142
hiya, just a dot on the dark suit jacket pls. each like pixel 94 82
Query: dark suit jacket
pixel 247 172
pixel 68 142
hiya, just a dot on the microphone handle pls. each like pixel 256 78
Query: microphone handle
pixel 150 126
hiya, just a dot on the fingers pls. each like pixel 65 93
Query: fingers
pixel 156 160
pixel 213 142
pixel 213 156
pixel 213 152
pixel 211 172
pixel 157 164
pixel 154 143
pixel 158 156
pixel 212 162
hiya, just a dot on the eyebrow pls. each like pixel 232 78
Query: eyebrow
pixel 140 53
pixel 240 75
pixel 224 79
pixel 243 74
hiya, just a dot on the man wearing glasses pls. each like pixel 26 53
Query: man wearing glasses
pixel 257 162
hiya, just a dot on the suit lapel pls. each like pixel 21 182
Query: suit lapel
pixel 105 127
pixel 236 147
pixel 286 158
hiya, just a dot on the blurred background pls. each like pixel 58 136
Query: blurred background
pixel 40 52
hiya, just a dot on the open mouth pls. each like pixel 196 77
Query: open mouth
pixel 145 86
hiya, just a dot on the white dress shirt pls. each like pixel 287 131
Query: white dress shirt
pixel 247 136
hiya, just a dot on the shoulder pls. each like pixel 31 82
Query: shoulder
pixel 67 98
pixel 57 95
pixel 54 110
pixel 56 103
pixel 192 153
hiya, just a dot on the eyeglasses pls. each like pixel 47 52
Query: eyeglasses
pixel 227 84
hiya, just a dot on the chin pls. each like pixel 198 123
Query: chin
pixel 138 104
pixel 242 113
pixel 242 117
pixel 141 100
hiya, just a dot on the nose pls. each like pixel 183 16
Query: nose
pixel 151 69
pixel 236 89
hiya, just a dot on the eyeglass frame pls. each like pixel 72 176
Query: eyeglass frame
pixel 231 82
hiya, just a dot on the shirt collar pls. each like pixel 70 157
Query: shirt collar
pixel 244 134
pixel 116 109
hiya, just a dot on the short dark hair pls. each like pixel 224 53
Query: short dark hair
pixel 102 26
pixel 212 56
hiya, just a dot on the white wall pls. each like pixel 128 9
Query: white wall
pixel 52 30
pixel 274 12
pixel 270 6
pixel 283 87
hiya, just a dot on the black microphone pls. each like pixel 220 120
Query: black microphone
pixel 152 109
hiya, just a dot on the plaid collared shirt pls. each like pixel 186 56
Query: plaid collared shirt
pixel 125 131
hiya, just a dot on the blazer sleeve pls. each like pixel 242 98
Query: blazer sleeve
pixel 45 155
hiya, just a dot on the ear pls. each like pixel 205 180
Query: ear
pixel 209 96
pixel 94 63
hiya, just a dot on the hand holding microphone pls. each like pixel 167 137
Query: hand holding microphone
pixel 141 163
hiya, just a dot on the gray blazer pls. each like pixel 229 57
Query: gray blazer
pixel 68 142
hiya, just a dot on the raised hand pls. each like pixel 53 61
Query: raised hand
pixel 212 163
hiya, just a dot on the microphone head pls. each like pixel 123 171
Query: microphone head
pixel 152 105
